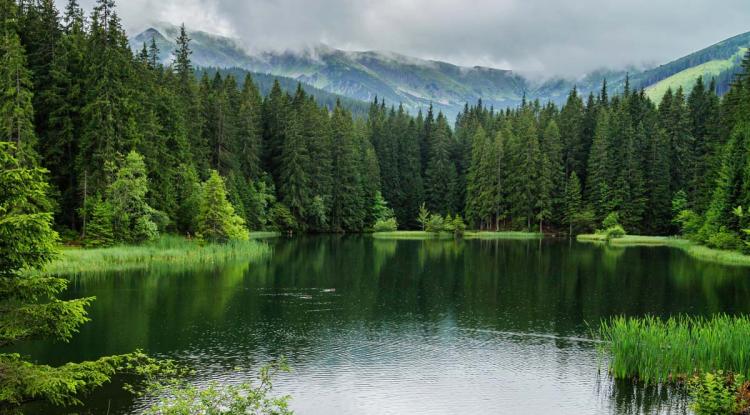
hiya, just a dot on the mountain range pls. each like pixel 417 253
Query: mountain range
pixel 416 83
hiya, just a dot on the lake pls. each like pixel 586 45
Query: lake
pixel 404 327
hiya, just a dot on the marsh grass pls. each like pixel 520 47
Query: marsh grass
pixel 175 251
pixel 656 350
pixel 696 251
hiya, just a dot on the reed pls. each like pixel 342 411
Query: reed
pixel 656 350
pixel 167 250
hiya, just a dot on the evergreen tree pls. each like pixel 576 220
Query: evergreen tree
pixel 16 110
pixel 31 309
pixel 441 178
pixel 217 221
pixel 133 218
pixel 573 201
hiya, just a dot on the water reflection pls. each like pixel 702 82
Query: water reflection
pixel 375 326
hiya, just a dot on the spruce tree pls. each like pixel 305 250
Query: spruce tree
pixel 217 221
pixel 16 109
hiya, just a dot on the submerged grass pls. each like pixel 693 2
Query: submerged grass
pixel 693 249
pixel 172 250
pixel 655 350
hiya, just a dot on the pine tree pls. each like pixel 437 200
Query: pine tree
pixel 441 178
pixel 31 309
pixel 598 184
pixel 347 212
pixel 294 183
pixel 217 221
pixel 573 201
pixel 553 151
pixel 250 129
pixel 133 217
pixel 16 109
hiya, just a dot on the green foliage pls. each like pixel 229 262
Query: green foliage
pixel 424 216
pixel 435 224
pixel 185 399
pixel 655 350
pixel 717 393
pixel 99 229
pixel 690 223
pixel 217 221
pixel 132 217
pixel 282 218
pixel 611 220
pixel 459 226
pixel 31 309
pixel 385 225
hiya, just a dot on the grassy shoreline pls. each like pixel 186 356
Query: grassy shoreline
pixel 656 350
pixel 693 249
pixel 422 235
pixel 175 251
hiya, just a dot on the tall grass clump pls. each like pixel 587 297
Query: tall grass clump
pixel 166 250
pixel 656 350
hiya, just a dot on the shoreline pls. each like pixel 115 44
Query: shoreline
pixel 695 250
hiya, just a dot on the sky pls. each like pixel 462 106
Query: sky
pixel 546 37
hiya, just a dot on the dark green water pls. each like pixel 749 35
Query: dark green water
pixel 404 327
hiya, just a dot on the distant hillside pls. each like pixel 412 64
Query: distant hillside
pixel 720 61
pixel 417 82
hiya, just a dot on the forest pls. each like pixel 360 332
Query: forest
pixel 134 148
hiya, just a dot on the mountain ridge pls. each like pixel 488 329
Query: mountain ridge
pixel 417 82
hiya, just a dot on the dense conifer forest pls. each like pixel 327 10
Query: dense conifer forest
pixel 134 147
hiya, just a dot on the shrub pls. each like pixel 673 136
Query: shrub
pixel 435 224
pixel 717 393
pixel 690 223
pixel 385 225
pixel 723 239
pixel 612 220
pixel 613 232
pixel 459 227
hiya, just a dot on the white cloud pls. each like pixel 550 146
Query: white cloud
pixel 550 36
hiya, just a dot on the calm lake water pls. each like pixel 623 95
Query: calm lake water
pixel 404 327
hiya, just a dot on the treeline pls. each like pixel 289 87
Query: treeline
pixel 78 100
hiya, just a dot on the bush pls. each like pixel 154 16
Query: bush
pixel 459 227
pixel 718 393
pixel 723 239
pixel 385 225
pixel 613 232
pixel 435 224
pixel 612 220
pixel 690 223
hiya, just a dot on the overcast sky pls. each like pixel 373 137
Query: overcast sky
pixel 560 37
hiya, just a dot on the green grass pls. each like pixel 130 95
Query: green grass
pixel 412 235
pixel 420 235
pixel 686 78
pixel 655 350
pixel 700 252
pixel 174 251
pixel 502 235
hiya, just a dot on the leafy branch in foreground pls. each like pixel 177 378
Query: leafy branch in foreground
pixel 29 307
pixel 182 398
